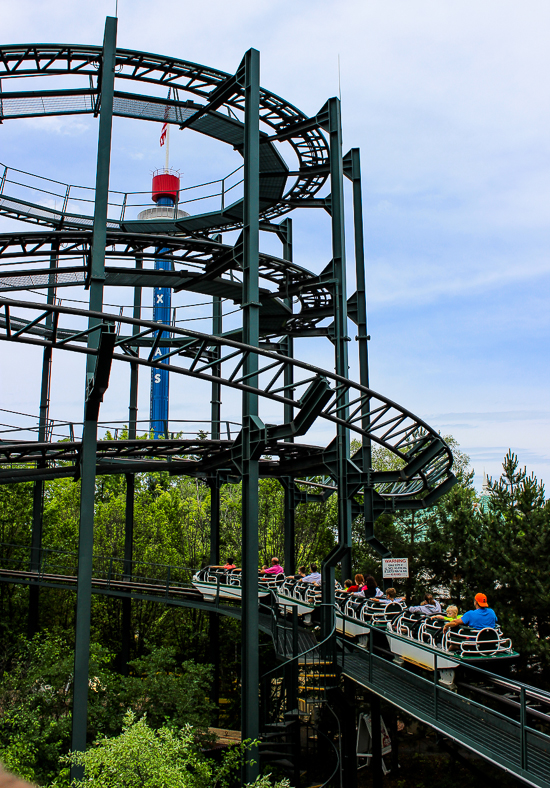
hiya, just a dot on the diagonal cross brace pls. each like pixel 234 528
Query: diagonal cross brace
pixel 97 385
pixel 312 403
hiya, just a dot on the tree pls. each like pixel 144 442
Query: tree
pixel 513 556
pixel 144 758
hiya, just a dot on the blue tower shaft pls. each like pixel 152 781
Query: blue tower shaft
pixel 160 378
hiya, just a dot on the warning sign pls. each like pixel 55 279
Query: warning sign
pixel 395 567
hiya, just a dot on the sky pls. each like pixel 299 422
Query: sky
pixel 449 104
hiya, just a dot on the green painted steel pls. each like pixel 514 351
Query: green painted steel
pixel 331 121
pixel 506 741
pixel 249 76
pixel 287 347
pixel 38 489
pixel 89 435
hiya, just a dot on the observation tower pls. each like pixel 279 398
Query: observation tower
pixel 165 191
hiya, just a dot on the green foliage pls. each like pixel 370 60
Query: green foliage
pixel 36 698
pixel 167 691
pixel 141 757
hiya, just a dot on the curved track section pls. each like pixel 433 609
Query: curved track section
pixel 198 265
pixel 217 113
pixel 426 458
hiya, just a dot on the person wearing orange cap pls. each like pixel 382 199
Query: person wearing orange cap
pixel 483 616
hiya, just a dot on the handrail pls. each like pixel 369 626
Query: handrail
pixel 116 199
pixel 443 654
pixel 311 648
pixel 440 693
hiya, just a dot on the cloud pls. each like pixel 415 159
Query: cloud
pixel 63 125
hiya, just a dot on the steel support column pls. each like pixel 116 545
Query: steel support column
pixel 214 482
pixel 352 169
pixel 376 727
pixel 288 343
pixel 89 434
pixel 130 485
pixel 342 552
pixel 33 623
pixel 250 718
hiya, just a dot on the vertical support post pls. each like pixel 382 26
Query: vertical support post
pixel 214 618
pixel 394 743
pixel 377 772
pixel 215 431
pixel 285 234
pixel 343 550
pixel 250 718
pixel 349 736
pixel 130 485
pixel 89 434
pixel 38 489
pixel 523 732
pixel 352 169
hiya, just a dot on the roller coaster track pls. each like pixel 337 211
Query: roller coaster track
pixel 199 265
pixel 502 720
pixel 425 456
pixel 217 114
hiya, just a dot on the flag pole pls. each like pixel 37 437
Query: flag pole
pixel 167 159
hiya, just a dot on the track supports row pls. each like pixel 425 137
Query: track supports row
pixel 247 81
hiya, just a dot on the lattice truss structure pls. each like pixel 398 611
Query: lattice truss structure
pixel 91 240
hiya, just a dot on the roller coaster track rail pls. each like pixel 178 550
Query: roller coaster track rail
pixel 511 728
pixel 216 109
pixel 425 456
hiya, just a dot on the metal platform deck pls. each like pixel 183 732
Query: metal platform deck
pixel 509 743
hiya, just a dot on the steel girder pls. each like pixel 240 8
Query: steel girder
pixel 220 113
pixel 200 266
pixel 426 458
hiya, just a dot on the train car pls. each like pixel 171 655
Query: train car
pixel 421 642
pixel 410 637
pixel 215 582
pixel 303 596
pixel 487 648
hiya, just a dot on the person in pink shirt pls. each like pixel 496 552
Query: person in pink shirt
pixel 274 569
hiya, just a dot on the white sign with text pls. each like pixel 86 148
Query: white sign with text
pixel 395 567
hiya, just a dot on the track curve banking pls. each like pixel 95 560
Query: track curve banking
pixel 426 458
pixel 94 238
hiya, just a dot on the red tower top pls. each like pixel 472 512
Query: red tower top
pixel 165 184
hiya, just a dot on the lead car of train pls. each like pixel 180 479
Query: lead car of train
pixel 411 637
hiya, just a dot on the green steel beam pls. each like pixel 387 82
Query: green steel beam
pixel 352 169
pixel 33 624
pixel 330 119
pixel 130 484
pixel 89 434
pixel 249 75
pixel 214 483
pixel 287 346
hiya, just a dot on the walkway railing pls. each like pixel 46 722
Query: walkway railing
pixel 279 686
pixel 50 562
pixel 64 198
pixel 507 738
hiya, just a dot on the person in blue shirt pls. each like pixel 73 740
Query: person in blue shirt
pixel 480 618
pixel 314 576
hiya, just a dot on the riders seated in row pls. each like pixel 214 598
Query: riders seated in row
pixel 481 617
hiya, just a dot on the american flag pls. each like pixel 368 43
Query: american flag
pixel 164 130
